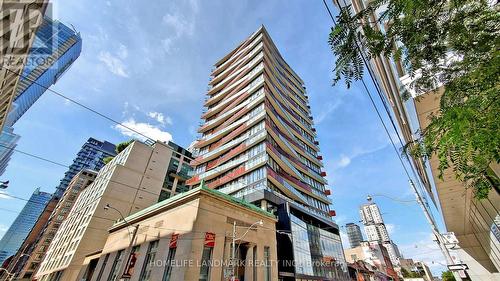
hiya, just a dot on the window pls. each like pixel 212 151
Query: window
pixel 205 264
pixel 116 266
pixel 267 264
pixel 102 267
pixel 149 261
pixel 168 265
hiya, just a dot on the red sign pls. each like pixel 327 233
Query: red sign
pixel 131 264
pixel 173 241
pixel 209 239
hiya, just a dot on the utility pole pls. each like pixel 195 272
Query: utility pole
pixel 233 251
pixel 128 251
pixel 435 230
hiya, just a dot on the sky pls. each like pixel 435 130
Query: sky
pixel 147 64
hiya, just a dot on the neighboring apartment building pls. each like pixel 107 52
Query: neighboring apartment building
pixel 476 223
pixel 373 253
pixel 91 156
pixel 418 267
pixel 178 172
pixel 354 234
pixel 8 142
pixel 190 234
pixel 131 182
pixel 22 225
pixel 26 266
pixel 54 49
pixel 19 22
pixel 259 144
pixel 376 230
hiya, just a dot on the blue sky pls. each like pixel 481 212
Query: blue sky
pixel 148 66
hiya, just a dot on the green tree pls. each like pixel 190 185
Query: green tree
pixel 108 159
pixel 455 44
pixel 119 148
pixel 410 274
pixel 447 276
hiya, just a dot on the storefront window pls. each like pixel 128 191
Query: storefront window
pixel 317 252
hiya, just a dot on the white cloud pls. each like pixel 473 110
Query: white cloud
pixel 167 45
pixel 114 64
pixel 330 108
pixel 179 24
pixel 391 228
pixel 162 119
pixel 144 128
pixel 344 238
pixel 122 52
pixel 344 161
pixel 425 250
pixel 4 195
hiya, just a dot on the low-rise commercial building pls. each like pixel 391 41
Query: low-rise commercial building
pixel 189 237
pixel 375 254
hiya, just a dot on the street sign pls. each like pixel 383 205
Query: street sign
pixel 458 266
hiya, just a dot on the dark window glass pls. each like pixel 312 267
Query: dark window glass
pixel 267 260
pixel 149 261
pixel 168 265
pixel 205 264
pixel 102 267
pixel 116 266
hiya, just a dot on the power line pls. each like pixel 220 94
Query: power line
pixel 80 104
pixel 127 186
pixel 422 201
pixel 34 156
pixel 381 96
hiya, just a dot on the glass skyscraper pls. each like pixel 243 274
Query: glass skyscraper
pixel 259 144
pixel 55 48
pixel 91 157
pixel 354 234
pixel 8 142
pixel 22 225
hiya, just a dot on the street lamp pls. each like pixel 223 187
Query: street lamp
pixel 6 271
pixel 260 223
pixel 128 251
pixel 370 198
pixel 11 275
pixel 108 206
pixel 440 240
